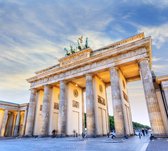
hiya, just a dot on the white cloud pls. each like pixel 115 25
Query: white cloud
pixel 157 3
pixel 159 33
pixel 158 66
pixel 96 39
pixel 160 69
pixel 161 4
pixel 156 59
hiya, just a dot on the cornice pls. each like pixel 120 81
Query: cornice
pixel 160 79
pixel 121 49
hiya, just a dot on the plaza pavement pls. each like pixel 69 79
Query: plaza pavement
pixel 74 144
pixel 158 145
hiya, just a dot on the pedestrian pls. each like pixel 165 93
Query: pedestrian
pixel 139 134
pixel 113 135
pixel 152 137
pixel 143 132
pixel 53 133
pixel 83 135
pixel 146 131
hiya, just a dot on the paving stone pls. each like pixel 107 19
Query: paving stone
pixel 158 145
pixel 74 144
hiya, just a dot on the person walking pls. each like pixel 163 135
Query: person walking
pixel 143 132
pixel 113 135
pixel 139 134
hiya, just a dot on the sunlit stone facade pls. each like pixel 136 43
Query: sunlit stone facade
pixel 58 101
pixel 59 95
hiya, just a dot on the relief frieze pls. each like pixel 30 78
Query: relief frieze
pixel 133 55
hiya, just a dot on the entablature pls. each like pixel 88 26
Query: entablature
pixel 131 56
pixel 144 43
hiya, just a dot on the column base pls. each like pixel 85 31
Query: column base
pixel 160 135
pixel 27 136
pixel 120 136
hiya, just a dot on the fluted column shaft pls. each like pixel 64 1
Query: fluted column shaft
pixel 4 121
pixel 16 130
pixel 62 119
pixel 117 102
pixel 151 99
pixel 46 110
pixel 83 113
pixel 90 106
pixel 24 123
pixel 165 91
pixel 31 114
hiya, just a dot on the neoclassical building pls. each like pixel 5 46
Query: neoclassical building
pixel 60 94
pixel 12 119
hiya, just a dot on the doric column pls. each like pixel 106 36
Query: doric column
pixel 4 121
pixel 62 119
pixel 24 123
pixel 90 107
pixel 31 113
pixel 164 85
pixel 16 129
pixel 83 112
pixel 107 113
pixel 14 122
pixel 151 99
pixel 46 110
pixel 117 102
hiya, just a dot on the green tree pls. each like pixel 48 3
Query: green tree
pixel 136 125
pixel 111 122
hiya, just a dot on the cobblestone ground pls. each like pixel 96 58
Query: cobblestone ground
pixel 158 145
pixel 74 144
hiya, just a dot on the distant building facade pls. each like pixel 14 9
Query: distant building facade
pixel 12 119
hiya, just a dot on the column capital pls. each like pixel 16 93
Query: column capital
pixel 15 113
pixel 63 81
pixel 47 85
pixel 33 90
pixel 114 67
pixel 142 59
pixel 5 110
pixel 89 74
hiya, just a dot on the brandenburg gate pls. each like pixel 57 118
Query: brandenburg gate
pixel 58 92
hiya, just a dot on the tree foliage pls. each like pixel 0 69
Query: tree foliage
pixel 136 125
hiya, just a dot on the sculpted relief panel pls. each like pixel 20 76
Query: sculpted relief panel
pixel 66 61
pixel 95 66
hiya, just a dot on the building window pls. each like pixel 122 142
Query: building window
pixel 41 106
pixel 56 106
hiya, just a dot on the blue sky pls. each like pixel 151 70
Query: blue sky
pixel 34 33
